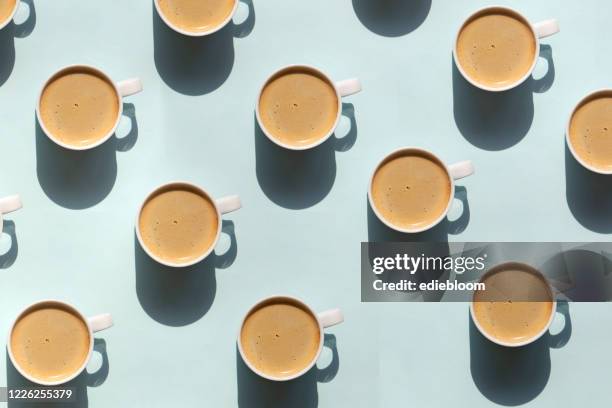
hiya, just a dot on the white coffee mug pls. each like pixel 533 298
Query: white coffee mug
pixel 122 89
pixel 223 205
pixel 325 319
pixel 196 33
pixel 592 95
pixel 535 337
pixel 343 88
pixel 9 204
pixel 11 15
pixel 94 324
pixel 539 30
pixel 455 172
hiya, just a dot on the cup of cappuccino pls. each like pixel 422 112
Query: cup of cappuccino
pixel 80 107
pixel 497 48
pixel 412 190
pixel 51 342
pixel 281 337
pixel 196 18
pixel 299 106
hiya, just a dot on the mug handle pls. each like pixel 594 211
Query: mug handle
pixel 560 339
pixel 228 204
pixel 546 28
pixel 330 317
pixel 129 87
pixel 348 87
pixel 100 322
pixel 461 170
pixel 10 204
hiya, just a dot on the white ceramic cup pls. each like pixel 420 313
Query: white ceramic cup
pixel 590 96
pixel 454 171
pixel 11 15
pixel 7 205
pixel 94 324
pixel 325 319
pixel 522 266
pixel 343 88
pixel 222 206
pixel 196 33
pixel 540 30
pixel 122 89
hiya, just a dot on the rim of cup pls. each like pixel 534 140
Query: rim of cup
pixel 397 152
pixel 169 185
pixel 591 95
pixel 316 142
pixel 196 33
pixel 97 142
pixel 272 299
pixel 517 14
pixel 67 306
pixel 533 270
pixel 11 16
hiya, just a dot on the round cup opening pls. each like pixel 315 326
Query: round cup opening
pixel 194 32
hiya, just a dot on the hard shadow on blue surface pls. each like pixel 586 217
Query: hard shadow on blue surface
pixel 7 41
pixel 79 385
pixel 196 65
pixel 81 179
pixel 589 195
pixel 514 376
pixel 257 392
pixel 180 296
pixel 300 179
pixel 7 259
pixel 392 18
pixel 498 120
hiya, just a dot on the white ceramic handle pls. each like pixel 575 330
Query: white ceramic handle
pixel 348 87
pixel 129 87
pixel 461 170
pixel 100 322
pixel 228 204
pixel 330 317
pixel 546 28
pixel 10 204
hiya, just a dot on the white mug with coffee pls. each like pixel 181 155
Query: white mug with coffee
pixel 80 107
pixel 179 223
pixel 196 18
pixel 8 205
pixel 299 106
pixel 589 132
pixel 50 342
pixel 281 337
pixel 497 48
pixel 8 9
pixel 412 190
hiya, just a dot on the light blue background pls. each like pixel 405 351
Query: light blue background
pixel 173 343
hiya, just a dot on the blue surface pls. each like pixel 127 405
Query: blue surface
pixel 304 215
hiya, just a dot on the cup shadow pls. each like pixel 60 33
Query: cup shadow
pixel 7 41
pixel 300 179
pixel 514 376
pixel 80 179
pixel 497 120
pixel 392 18
pixel 78 386
pixel 180 296
pixel 257 392
pixel 9 257
pixel 589 195
pixel 196 65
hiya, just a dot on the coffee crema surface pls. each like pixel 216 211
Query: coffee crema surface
pixel 50 342
pixel 411 190
pixel 496 48
pixel 590 132
pixel 196 15
pixel 280 338
pixel 515 306
pixel 298 107
pixel 79 107
pixel 6 9
pixel 178 224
